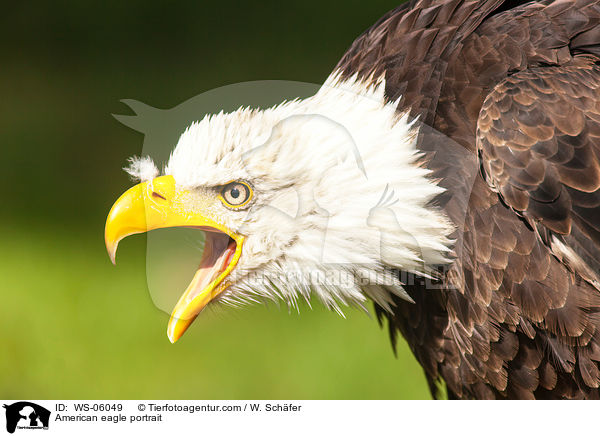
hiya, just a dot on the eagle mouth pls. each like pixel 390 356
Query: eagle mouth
pixel 219 257
pixel 219 251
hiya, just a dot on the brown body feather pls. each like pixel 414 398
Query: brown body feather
pixel 519 87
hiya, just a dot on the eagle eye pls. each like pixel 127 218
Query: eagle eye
pixel 236 194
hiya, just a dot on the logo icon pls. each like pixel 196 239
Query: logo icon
pixel 26 415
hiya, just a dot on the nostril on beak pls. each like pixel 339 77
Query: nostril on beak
pixel 157 195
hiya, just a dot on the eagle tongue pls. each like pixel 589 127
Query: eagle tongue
pixel 215 258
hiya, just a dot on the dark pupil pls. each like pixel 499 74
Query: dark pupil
pixel 235 192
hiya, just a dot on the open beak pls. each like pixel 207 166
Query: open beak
pixel 157 204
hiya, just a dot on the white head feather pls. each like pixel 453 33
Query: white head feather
pixel 340 199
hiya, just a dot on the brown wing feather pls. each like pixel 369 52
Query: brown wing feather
pixel 411 45
pixel 521 319
pixel 539 141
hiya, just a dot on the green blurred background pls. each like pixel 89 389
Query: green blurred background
pixel 74 326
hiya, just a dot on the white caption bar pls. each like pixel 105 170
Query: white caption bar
pixel 212 417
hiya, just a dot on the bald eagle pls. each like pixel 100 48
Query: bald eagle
pixel 495 287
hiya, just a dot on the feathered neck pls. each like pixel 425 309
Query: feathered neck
pixel 345 185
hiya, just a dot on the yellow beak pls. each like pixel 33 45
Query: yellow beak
pixel 157 204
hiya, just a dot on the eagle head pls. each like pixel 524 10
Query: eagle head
pixel 325 196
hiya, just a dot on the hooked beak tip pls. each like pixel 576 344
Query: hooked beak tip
pixel 111 248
